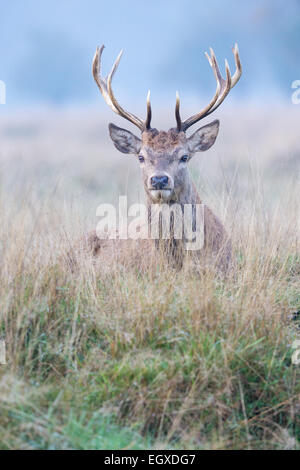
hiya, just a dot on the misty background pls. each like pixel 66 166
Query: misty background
pixel 46 49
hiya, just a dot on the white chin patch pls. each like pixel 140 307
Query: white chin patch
pixel 161 194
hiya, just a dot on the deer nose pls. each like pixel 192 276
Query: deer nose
pixel 159 182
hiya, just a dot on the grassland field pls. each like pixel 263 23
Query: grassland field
pixel 104 357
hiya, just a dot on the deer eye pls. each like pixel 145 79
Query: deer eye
pixel 184 158
pixel 141 158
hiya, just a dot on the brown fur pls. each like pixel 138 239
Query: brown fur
pixel 161 141
pixel 162 153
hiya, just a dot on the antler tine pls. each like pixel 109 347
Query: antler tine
pixel 149 113
pixel 130 117
pixel 215 66
pixel 223 87
pixel 177 112
pixel 238 65
pixel 101 82
pixel 105 88
pixel 220 85
pixel 96 65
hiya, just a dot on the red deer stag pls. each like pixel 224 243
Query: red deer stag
pixel 164 156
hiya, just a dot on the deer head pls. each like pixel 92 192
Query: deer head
pixel 163 156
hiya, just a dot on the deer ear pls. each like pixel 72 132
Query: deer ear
pixel 204 137
pixel 124 140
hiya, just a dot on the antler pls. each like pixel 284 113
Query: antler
pixel 105 88
pixel 223 88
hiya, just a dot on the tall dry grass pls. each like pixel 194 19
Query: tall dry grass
pixel 122 357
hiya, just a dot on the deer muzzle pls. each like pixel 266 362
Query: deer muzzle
pixel 161 186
